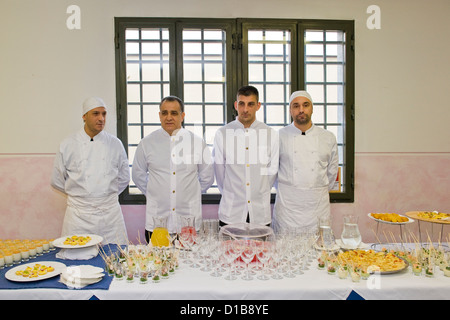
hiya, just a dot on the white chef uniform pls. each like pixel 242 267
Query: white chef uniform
pixel 172 172
pixel 92 174
pixel 245 166
pixel 308 169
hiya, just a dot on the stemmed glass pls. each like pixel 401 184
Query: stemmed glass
pixel 247 254
pixel 205 253
pixel 264 253
pixel 290 253
pixel 194 244
pixel 277 257
pixel 229 252
pixel 301 250
pixel 184 239
pixel 216 254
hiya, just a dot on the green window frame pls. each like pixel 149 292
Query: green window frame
pixel 205 61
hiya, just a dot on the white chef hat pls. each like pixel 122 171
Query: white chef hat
pixel 300 93
pixel 92 103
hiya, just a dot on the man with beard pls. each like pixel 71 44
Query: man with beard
pixel 307 169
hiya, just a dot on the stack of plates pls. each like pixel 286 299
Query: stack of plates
pixel 80 276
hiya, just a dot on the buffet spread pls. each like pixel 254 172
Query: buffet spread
pixel 222 262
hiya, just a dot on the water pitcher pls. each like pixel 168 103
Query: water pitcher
pixel 351 237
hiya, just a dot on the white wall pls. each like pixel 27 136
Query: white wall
pixel 402 70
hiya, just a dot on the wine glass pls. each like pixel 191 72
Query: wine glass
pixel 277 258
pixel 205 253
pixel 263 253
pixel 195 244
pixel 248 252
pixel 216 254
pixel 290 254
pixel 184 239
pixel 230 254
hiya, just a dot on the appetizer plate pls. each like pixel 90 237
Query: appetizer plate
pixel 58 266
pixel 403 267
pixel 95 239
pixel 416 215
pixel 389 222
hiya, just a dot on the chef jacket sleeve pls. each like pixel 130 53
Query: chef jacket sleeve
pixel 219 159
pixel 124 170
pixel 205 169
pixel 333 165
pixel 139 170
pixel 59 173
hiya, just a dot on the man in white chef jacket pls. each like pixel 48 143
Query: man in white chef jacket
pixel 91 167
pixel 245 163
pixel 308 168
pixel 172 166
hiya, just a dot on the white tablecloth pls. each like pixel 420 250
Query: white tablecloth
pixel 193 284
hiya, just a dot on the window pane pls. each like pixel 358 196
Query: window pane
pixel 204 82
pixel 214 114
pixel 147 70
pixel 133 93
pixel 134 134
pixel 194 114
pixel 151 72
pixel 192 72
pixel 324 80
pixel 151 113
pixel 314 72
pixel 318 116
pixel 134 113
pixel 269 61
pixel 151 93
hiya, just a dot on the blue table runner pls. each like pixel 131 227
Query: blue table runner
pixel 53 282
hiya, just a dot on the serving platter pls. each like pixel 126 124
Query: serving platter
pixel 95 239
pixel 12 276
pixel 415 215
pixel 404 266
pixel 389 222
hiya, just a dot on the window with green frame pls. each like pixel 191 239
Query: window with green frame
pixel 205 61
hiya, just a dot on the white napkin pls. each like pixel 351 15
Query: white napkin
pixel 77 277
pixel 78 253
pixel 361 245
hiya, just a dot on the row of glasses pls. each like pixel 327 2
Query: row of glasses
pixel 292 251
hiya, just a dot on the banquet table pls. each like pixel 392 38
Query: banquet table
pixel 193 284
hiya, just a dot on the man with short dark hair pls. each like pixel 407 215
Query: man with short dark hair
pixel 245 163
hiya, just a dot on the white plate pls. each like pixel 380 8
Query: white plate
pixel 95 239
pixel 11 274
pixel 389 222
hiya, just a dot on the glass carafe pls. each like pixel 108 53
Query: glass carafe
pixel 160 235
pixel 326 238
pixel 186 224
pixel 351 237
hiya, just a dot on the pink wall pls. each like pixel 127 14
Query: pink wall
pixel 384 182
